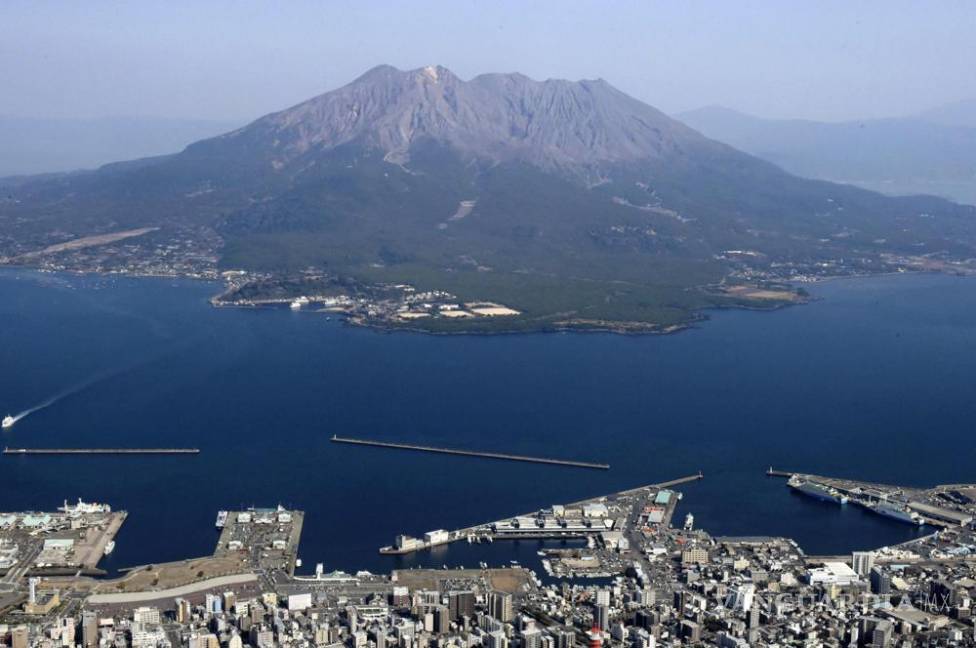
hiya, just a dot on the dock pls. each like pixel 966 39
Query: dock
pixel 100 451
pixel 903 504
pixel 472 453
pixel 778 473
pixel 528 526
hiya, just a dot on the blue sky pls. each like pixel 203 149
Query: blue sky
pixel 238 60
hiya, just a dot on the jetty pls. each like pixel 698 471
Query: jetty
pixel 680 480
pixel 100 451
pixel 472 453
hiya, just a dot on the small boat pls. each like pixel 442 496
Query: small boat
pixel 8 422
pixel 110 547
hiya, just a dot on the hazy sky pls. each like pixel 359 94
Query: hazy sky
pixel 239 60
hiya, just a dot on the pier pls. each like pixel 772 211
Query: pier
pixel 778 473
pixel 548 525
pixel 472 453
pixel 100 451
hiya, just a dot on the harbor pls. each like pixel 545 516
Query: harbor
pixel 471 453
pixel 629 536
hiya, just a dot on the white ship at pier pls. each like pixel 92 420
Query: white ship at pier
pixel 816 490
pixel 896 512
pixel 82 508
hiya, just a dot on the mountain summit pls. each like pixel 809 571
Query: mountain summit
pixel 570 202
pixel 501 117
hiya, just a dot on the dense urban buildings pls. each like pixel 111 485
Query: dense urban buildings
pixel 627 577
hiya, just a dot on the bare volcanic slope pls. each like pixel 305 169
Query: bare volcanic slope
pixel 569 201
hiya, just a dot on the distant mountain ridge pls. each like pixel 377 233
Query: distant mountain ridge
pixel 898 156
pixel 957 113
pixel 33 145
pixel 570 201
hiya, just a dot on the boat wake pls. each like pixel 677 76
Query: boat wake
pixel 10 421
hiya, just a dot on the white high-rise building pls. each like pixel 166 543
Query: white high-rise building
pixel 740 598
pixel 863 561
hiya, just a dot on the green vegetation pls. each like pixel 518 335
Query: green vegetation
pixel 634 252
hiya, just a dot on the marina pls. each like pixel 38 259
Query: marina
pixel 472 453
pixel 591 519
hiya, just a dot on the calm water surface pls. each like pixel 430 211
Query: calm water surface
pixel 873 381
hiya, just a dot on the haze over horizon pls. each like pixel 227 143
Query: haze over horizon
pixel 830 62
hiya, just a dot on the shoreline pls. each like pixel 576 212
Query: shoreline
pixel 625 328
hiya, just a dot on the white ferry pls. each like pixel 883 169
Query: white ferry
pixel 8 422
pixel 110 547
pixel 221 519
pixel 84 507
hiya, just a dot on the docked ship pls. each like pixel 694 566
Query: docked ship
pixel 221 519
pixel 84 508
pixel 821 492
pixel 8 422
pixel 896 512
pixel 110 547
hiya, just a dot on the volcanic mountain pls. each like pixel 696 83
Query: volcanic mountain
pixel 570 201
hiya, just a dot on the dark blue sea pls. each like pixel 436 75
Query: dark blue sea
pixel 874 380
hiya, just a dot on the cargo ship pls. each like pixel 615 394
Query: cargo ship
pixel 896 512
pixel 817 491
pixel 221 519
